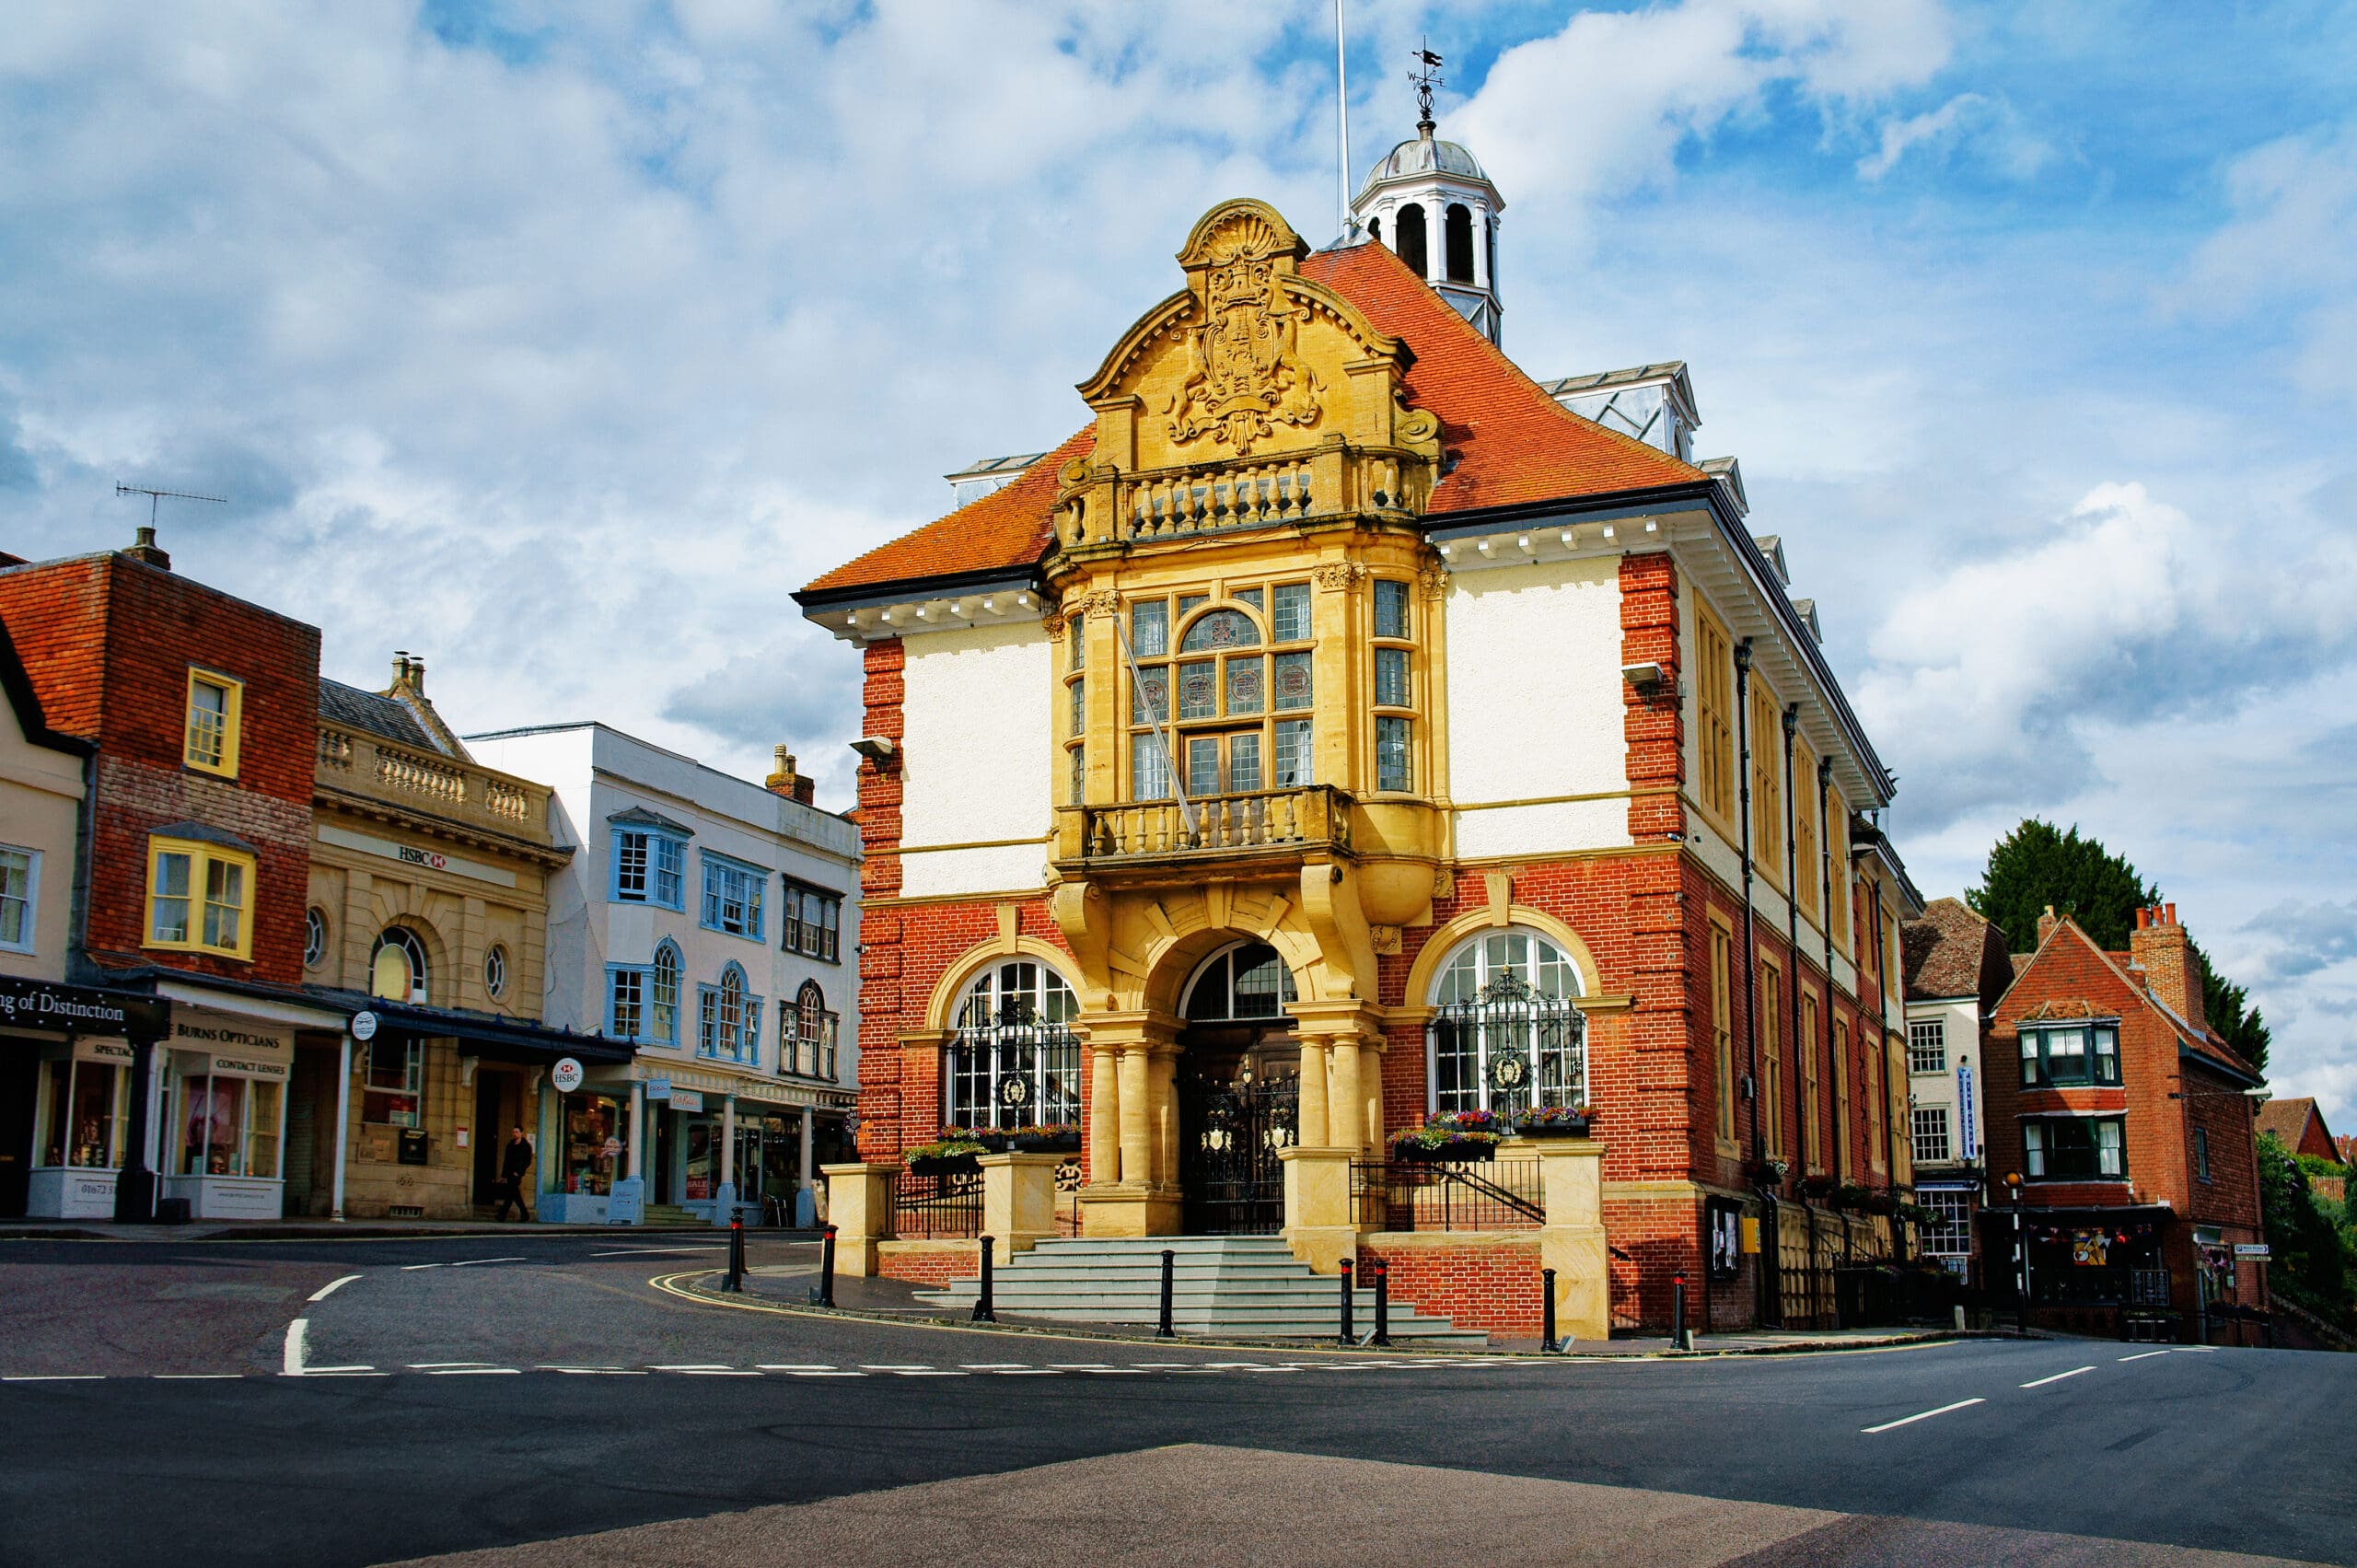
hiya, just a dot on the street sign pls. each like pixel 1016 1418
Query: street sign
pixel 2250 1250
pixel 565 1074
pixel 363 1025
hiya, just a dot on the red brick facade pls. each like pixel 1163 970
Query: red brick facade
pixel 109 642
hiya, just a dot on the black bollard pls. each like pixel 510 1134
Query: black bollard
pixel 1547 1311
pixel 1677 1311
pixel 1347 1333
pixel 827 1270
pixel 1169 1273
pixel 982 1312
pixel 736 1254
pixel 1383 1303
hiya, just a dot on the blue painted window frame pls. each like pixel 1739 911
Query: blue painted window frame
pixel 662 872
pixel 719 869
pixel 679 999
pixel 643 975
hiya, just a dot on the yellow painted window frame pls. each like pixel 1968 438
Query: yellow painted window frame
pixel 1837 819
pixel 1722 1025
pixel 232 704
pixel 1767 785
pixel 1714 719
pixel 1805 846
pixel 1812 1139
pixel 202 857
pixel 1843 1163
pixel 1220 594
pixel 1771 1064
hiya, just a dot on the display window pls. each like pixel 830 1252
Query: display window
pixel 227 1125
pixel 86 1109
pixel 597 1144
pixel 394 1093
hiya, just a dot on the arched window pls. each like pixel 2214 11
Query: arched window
pixel 1506 1033
pixel 729 1018
pixel 315 937
pixel 810 1027
pixel 1408 239
pixel 397 968
pixel 1375 230
pixel 1457 231
pixel 664 1015
pixel 1014 1061
pixel 1248 981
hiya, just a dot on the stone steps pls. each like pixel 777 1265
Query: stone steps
pixel 1239 1287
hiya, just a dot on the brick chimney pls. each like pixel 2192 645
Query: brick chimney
pixel 2046 924
pixel 2160 947
pixel 144 548
pixel 785 781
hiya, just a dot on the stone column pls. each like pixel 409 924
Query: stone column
pixel 1371 1093
pixel 1346 1115
pixel 809 1135
pixel 1104 1115
pixel 1572 1242
pixel 1132 1127
pixel 1162 1101
pixel 637 1139
pixel 725 1193
pixel 859 1202
pixel 1137 1130
pixel 1019 1200
pixel 1312 1126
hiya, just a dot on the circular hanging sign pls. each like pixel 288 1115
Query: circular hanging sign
pixel 1509 1071
pixel 565 1074
pixel 363 1025
pixel 1014 1092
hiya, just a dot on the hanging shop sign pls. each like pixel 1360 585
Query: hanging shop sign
pixel 39 1005
pixel 1969 1123
pixel 687 1100
pixel 565 1074
pixel 659 1086
pixel 363 1025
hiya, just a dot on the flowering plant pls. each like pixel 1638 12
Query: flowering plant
pixel 1050 1129
pixel 1450 1130
pixel 1556 1115
pixel 954 1141
pixel 1474 1121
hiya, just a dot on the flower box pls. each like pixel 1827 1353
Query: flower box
pixel 1553 1127
pixel 1460 1150
pixel 1047 1143
pixel 944 1164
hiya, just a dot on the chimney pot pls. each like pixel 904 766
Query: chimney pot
pixel 2171 914
pixel 144 548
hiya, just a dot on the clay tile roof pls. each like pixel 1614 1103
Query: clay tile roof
pixel 1516 443
pixel 1004 529
pixel 1943 950
pixel 2287 1119
pixel 1513 442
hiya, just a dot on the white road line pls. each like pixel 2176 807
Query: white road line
pixel 593 1371
pixel 2042 1382
pixel 471 1262
pixel 195 1376
pixel 897 1365
pixel 478 1372
pixel 651 1251
pixel 330 1288
pixel 442 1366
pixel 1011 1370
pixel 715 1372
pixel 1926 1416
pixel 2196 1350
pixel 691 1367
pixel 814 1372
pixel 358 1371
pixel 58 1378
pixel 796 1366
pixel 293 1365
pixel 2144 1356
pixel 1259 1366
pixel 413 1268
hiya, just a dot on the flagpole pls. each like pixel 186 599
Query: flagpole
pixel 1162 723
pixel 1342 104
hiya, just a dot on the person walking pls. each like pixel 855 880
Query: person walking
pixel 512 1167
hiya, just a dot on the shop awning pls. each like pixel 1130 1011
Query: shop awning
pixel 483 1034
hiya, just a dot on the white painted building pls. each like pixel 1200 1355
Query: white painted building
pixel 712 922
pixel 1957 970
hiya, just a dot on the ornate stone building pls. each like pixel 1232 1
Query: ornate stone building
pixel 1336 732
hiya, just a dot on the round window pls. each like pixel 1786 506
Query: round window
pixel 315 937
pixel 494 971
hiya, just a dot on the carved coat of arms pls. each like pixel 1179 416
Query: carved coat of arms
pixel 1245 379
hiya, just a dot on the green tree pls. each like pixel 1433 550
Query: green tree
pixel 2305 1260
pixel 2038 864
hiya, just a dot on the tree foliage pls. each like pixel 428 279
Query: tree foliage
pixel 2038 864
pixel 2305 1260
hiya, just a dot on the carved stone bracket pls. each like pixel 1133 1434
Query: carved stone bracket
pixel 1434 581
pixel 1100 605
pixel 1339 574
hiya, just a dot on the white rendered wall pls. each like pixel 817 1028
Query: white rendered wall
pixel 41 803
pixel 977 714
pixel 1534 710
pixel 1961 1018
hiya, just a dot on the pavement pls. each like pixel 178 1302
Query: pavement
pixel 526 1395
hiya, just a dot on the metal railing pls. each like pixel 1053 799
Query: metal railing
pixel 946 1207
pixel 1309 816
pixel 1399 1195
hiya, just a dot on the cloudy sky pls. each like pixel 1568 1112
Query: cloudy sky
pixel 560 343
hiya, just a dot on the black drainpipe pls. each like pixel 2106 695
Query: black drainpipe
pixel 1833 1057
pixel 1769 1295
pixel 1882 1028
pixel 1791 719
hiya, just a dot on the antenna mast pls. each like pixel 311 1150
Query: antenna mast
pixel 1342 105
pixel 156 496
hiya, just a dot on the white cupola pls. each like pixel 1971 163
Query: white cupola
pixel 1429 201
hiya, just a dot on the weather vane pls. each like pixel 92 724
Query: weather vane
pixel 1426 77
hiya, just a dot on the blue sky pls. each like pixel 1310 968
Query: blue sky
pixel 561 342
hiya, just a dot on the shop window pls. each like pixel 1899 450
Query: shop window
pixel 1927 1045
pixel 597 1144
pixel 215 705
pixel 393 1092
pixel 1504 1034
pixel 1948 1234
pixel 649 869
pixel 397 968
pixel 2063 1054
pixel 2066 1148
pixel 197 897
pixel 86 1108
pixel 227 1126
pixel 732 896
pixel 19 897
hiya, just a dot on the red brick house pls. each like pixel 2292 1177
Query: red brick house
pixel 202 709
pixel 2300 1127
pixel 2126 1125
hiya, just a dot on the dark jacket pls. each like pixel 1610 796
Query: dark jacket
pixel 517 1161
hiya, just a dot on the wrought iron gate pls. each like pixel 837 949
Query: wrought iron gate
pixel 1230 1133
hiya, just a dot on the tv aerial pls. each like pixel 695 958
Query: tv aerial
pixel 156 497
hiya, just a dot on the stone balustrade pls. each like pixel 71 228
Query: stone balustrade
pixel 424 781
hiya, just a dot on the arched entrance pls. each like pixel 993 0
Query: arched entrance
pixel 1239 1092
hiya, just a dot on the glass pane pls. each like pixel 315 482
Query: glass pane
pixel 1246 686
pixel 1391 677
pixel 1243 763
pixel 1293 754
pixel 1290 614
pixel 1150 628
pixel 1221 629
pixel 1246 596
pixel 1391 753
pixel 1149 770
pixel 1198 690
pixel 1259 972
pixel 1294 686
pixel 1078 720
pixel 1390 609
pixel 171 875
pixel 1203 765
pixel 1189 603
pixel 1079 643
pixel 1150 699
pixel 1079 774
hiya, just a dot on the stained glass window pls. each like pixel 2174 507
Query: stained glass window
pixel 1289 618
pixel 1246 596
pixel 1198 691
pixel 1244 686
pixel 1151 703
pixel 1221 629
pixel 1243 763
pixel 1295 688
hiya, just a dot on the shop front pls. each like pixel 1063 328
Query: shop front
pixel 225 1119
pixel 693 1144
pixel 70 1056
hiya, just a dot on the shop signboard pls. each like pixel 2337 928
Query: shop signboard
pixel 565 1074
pixel 2250 1250
pixel 44 1005
pixel 1968 1123
pixel 659 1086
pixel 687 1100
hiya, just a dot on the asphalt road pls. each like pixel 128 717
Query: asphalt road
pixel 515 1387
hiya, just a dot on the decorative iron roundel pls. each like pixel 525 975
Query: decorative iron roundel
pixel 1509 1071
pixel 1014 1092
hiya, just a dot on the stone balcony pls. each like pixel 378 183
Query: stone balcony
pixel 1312 821
pixel 428 783
pixel 1099 506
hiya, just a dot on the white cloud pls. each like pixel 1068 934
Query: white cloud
pixel 1989 124
pixel 2286 254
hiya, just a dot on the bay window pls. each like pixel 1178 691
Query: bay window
pixel 1232 675
pixel 2077 1053
pixel 2074 1148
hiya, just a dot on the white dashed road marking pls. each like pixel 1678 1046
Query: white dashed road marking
pixel 291 1365
pixel 1925 1415
pixel 471 1262
pixel 595 1371
pixel 330 1288
pixel 651 1251
pixel 58 1378
pixel 2042 1382
pixel 2144 1356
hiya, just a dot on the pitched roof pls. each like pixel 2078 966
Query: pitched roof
pixel 2204 1043
pixel 385 717
pixel 2288 1119
pixel 1946 953
pixel 1513 442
